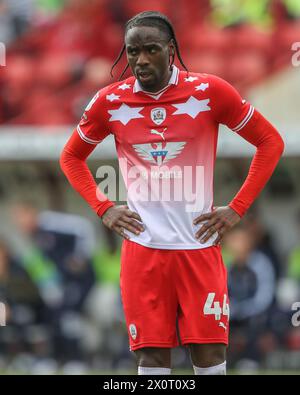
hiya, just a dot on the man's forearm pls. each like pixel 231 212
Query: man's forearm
pixel 270 146
pixel 73 164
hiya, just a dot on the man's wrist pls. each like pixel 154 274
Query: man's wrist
pixel 104 207
pixel 237 209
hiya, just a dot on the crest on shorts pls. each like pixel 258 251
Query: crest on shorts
pixel 133 331
pixel 158 115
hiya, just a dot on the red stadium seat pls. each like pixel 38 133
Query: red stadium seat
pixel 246 68
pixel 202 62
pixel 134 7
pixel 54 71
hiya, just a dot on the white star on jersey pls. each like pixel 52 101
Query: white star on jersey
pixel 192 107
pixel 190 79
pixel 125 113
pixel 202 87
pixel 112 97
pixel 124 86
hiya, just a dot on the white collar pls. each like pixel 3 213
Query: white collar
pixel 156 95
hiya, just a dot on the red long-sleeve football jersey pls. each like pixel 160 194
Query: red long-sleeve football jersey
pixel 166 144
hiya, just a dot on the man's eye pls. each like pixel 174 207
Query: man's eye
pixel 132 52
pixel 152 50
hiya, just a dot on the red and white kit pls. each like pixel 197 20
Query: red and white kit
pixel 174 132
pixel 166 144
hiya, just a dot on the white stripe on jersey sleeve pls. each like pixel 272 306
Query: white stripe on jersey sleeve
pixel 86 139
pixel 245 120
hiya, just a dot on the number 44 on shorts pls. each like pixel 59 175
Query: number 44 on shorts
pixel 212 307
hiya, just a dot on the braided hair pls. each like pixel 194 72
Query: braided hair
pixel 150 19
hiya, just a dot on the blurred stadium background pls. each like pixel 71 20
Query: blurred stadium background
pixel 58 265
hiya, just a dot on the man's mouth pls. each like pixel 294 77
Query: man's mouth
pixel 144 75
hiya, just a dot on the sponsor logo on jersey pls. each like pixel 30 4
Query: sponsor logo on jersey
pixel 133 331
pixel 159 153
pixel 158 115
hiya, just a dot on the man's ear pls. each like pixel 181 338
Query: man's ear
pixel 171 47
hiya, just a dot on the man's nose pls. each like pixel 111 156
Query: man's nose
pixel 142 59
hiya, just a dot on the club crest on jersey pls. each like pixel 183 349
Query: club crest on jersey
pixel 158 115
pixel 159 153
pixel 133 331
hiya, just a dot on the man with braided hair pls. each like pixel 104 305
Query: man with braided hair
pixel 165 124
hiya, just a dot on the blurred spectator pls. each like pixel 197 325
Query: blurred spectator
pixel 22 301
pixel 251 277
pixel 293 270
pixel 110 322
pixel 227 13
pixel 263 241
pixel 46 7
pixel 6 27
pixel 20 13
pixel 293 8
pixel 294 264
pixel 58 260
pixel 251 282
